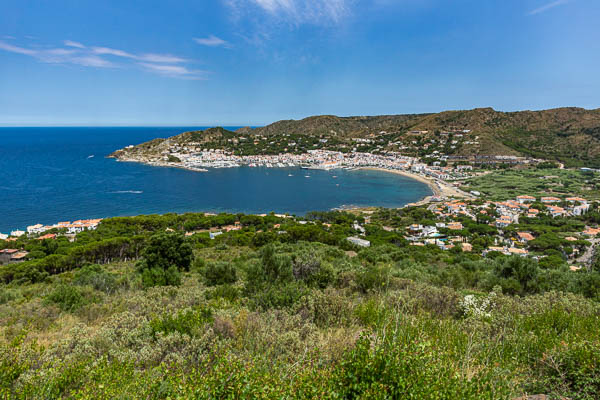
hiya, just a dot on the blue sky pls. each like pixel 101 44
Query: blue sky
pixel 252 62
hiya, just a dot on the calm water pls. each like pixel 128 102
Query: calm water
pixel 47 175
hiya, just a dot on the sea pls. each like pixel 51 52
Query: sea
pixel 57 174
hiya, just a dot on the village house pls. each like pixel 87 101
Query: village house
pixel 532 213
pixel 455 226
pixel 517 251
pixel 525 237
pixel 17 233
pixel 556 211
pixel 591 231
pixel 19 257
pixel 6 254
pixel 35 229
pixel 503 221
pixel 525 199
pixel 550 200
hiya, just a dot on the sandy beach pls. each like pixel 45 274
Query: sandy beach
pixel 439 188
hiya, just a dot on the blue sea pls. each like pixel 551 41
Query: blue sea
pixel 62 174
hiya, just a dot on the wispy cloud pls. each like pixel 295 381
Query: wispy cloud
pixel 111 52
pixel 176 71
pixel 100 57
pixel 59 56
pixel 548 6
pixel 158 58
pixel 71 43
pixel 212 41
pixel 295 12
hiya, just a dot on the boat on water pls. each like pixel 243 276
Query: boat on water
pixel 92 156
pixel 307 176
pixel 290 175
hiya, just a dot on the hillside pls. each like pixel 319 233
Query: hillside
pixel 159 307
pixel 569 135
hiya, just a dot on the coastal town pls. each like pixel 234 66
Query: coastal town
pixel 512 227
pixel 457 219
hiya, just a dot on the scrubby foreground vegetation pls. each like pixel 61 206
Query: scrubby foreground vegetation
pixel 283 308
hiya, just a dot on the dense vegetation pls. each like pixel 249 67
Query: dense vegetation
pixel 507 184
pixel 284 308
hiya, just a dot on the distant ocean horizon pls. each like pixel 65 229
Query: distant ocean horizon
pixel 52 174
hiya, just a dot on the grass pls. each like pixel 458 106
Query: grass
pixel 506 184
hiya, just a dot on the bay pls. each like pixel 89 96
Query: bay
pixel 56 174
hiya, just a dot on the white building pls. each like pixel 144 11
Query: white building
pixel 358 241
pixel 17 233
pixel 33 229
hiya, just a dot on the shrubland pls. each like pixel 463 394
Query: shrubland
pixel 283 309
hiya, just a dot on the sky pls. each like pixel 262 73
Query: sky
pixel 253 62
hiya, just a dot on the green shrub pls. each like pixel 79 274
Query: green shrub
pixel 185 322
pixel 66 297
pixel 96 277
pixel 227 292
pixel 373 277
pixel 9 294
pixel 397 370
pixel 163 259
pixel 571 371
pixel 219 273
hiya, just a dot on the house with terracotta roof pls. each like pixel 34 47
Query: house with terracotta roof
pixel 525 237
pixel 19 257
pixel 556 211
pixel 532 213
pixel 525 199
pixel 550 200
pixel 455 226
pixel 503 221
pixel 591 231
pixel 576 200
pixel 47 236
pixel 517 251
pixel 6 255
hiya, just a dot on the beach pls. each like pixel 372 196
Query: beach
pixel 439 188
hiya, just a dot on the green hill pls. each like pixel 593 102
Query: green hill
pixel 569 135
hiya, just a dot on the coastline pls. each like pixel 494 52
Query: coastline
pixel 439 188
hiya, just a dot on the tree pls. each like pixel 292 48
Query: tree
pixel 165 255
pixel 521 270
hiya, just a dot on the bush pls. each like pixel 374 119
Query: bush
pixel 219 273
pixel 373 277
pixel 392 370
pixel 163 259
pixel 96 277
pixel 185 322
pixel 66 297
pixel 227 292
pixel 572 371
